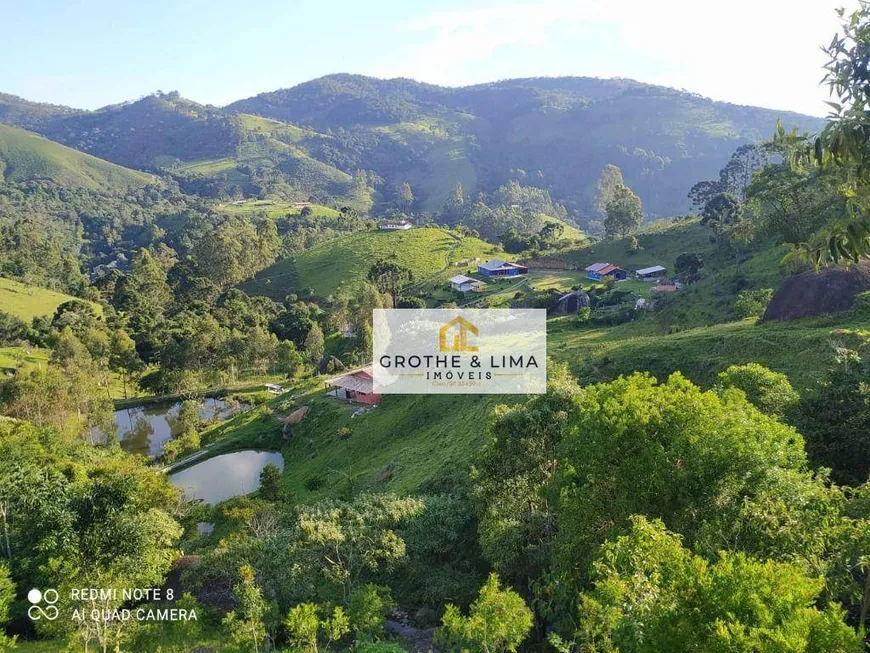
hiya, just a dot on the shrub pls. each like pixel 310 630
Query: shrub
pixel 768 391
pixel 499 620
pixel 367 610
pixel 752 303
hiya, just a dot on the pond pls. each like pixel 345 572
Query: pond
pixel 145 429
pixel 223 477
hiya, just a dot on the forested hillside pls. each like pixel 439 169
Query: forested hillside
pixel 322 136
pixel 556 133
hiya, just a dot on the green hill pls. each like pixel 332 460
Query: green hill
pixel 312 139
pixel 27 302
pixel 427 252
pixel 554 133
pixel 25 156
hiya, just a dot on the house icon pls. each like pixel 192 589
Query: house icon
pixel 453 335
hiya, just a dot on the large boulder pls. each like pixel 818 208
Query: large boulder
pixel 810 294
pixel 570 303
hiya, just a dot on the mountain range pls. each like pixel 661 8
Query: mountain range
pixel 354 140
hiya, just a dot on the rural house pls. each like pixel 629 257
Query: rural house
pixel 650 273
pixel 600 271
pixel 395 225
pixel 357 385
pixel 461 283
pixel 498 269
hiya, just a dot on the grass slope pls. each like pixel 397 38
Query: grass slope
pixel 25 156
pixel 275 209
pixel 405 444
pixel 427 252
pixel 27 302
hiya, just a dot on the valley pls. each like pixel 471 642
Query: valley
pixel 188 404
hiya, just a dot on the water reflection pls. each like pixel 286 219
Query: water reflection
pixel 145 429
pixel 223 477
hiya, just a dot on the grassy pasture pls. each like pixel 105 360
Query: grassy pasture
pixel 27 302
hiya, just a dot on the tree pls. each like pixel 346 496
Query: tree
pixel 288 359
pixel 123 357
pixel 236 249
pixel 844 141
pixel 513 477
pixel 389 277
pixel 498 620
pixel 270 482
pixel 552 231
pixel 652 595
pixel 338 543
pixel 836 420
pixel 7 596
pixel 768 391
pixel 294 322
pixel 314 344
pixel 624 212
pixel 144 296
pixel 406 196
pixel 720 211
pixel 454 204
pixel 305 626
pixel 367 609
pixel 752 303
pixel 689 263
pixel 717 490
pixel 245 624
pixel 609 180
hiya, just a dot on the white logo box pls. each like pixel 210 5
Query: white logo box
pixel 459 351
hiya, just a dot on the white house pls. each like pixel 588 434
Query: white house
pixel 462 283
pixel 395 225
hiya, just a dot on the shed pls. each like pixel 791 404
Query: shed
pixel 461 283
pixel 357 386
pixel 653 272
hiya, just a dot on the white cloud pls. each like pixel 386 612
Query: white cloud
pixel 763 52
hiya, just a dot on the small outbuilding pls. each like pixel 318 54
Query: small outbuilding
pixel 461 283
pixel 665 286
pixel 651 273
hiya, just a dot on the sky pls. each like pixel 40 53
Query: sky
pixel 90 53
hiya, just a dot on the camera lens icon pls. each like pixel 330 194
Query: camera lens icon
pixel 37 598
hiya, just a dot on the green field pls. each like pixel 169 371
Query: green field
pixel 27 302
pixel 274 209
pixel 802 350
pixel 14 358
pixel 661 243
pixel 25 156
pixel 428 252
pixel 282 130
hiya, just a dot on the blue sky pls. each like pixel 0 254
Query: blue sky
pixel 89 53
